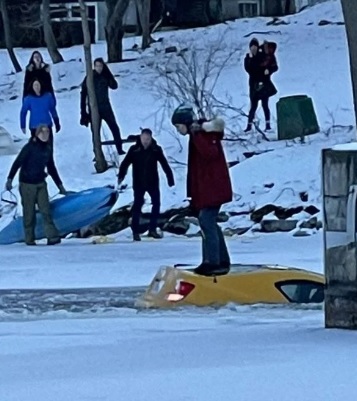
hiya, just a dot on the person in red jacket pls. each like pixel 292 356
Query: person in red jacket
pixel 208 185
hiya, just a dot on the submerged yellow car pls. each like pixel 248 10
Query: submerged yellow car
pixel 245 284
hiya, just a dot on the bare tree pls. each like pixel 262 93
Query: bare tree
pixel 143 7
pixel 100 162
pixel 114 30
pixel 193 75
pixel 50 39
pixel 7 34
pixel 350 15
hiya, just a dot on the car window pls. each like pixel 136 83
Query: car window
pixel 302 291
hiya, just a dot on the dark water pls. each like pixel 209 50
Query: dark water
pixel 37 302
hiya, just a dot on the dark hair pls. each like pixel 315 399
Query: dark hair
pixel 146 131
pixel 32 56
pixel 99 60
pixel 30 88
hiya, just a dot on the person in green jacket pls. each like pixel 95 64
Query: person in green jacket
pixel 33 160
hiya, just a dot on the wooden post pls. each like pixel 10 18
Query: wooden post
pixel 339 181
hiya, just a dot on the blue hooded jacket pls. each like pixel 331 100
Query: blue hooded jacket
pixel 42 110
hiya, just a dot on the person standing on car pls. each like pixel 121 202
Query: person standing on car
pixel 103 81
pixel 35 157
pixel 208 185
pixel 42 108
pixel 38 70
pixel 144 156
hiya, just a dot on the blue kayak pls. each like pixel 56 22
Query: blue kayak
pixel 70 213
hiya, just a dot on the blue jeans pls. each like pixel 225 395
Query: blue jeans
pixel 138 204
pixel 214 248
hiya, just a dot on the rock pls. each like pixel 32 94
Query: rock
pixel 301 233
pixel 311 210
pixel 325 22
pixel 272 226
pixel 229 232
pixel 171 49
pixel 269 185
pixel 311 224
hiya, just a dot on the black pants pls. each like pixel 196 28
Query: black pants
pixel 214 248
pixel 108 116
pixel 254 106
pixel 33 134
pixel 138 204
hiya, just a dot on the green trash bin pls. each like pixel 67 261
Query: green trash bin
pixel 296 117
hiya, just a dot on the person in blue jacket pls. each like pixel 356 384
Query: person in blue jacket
pixel 42 109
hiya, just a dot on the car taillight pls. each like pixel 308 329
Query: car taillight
pixel 182 289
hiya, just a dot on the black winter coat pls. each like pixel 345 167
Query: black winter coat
pixel 42 74
pixel 145 166
pixel 102 83
pixel 32 161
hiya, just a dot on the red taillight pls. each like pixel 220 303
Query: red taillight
pixel 182 289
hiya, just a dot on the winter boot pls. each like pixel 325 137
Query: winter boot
pixel 54 241
pixel 209 269
pixel 136 237
pixel 154 234
pixel 249 127
pixel 121 152
pixel 225 267
pixel 31 243
pixel 267 126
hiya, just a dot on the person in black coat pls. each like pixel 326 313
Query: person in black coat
pixel 260 63
pixel 33 160
pixel 37 70
pixel 144 156
pixel 103 80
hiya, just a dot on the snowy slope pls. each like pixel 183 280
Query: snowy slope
pixel 313 60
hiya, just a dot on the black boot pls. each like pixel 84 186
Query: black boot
pixel 267 126
pixel 209 269
pixel 136 237
pixel 249 127
pixel 54 241
pixel 121 152
pixel 154 234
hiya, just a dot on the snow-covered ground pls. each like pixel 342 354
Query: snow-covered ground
pixel 232 353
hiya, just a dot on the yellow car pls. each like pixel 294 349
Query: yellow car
pixel 245 284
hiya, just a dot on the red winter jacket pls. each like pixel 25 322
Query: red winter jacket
pixel 208 182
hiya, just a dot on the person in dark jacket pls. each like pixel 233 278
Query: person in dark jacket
pixel 42 108
pixel 144 156
pixel 260 63
pixel 208 185
pixel 34 158
pixel 37 70
pixel 103 80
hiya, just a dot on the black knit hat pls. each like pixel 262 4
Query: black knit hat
pixel 254 42
pixel 184 114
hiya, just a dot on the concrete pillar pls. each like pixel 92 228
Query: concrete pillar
pixel 339 182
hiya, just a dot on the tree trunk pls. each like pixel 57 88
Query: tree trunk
pixel 7 34
pixel 143 7
pixel 350 15
pixel 274 8
pixel 100 162
pixel 50 39
pixel 114 30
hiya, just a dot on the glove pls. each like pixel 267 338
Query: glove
pixel 57 125
pixel 8 185
pixel 62 190
pixel 85 119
